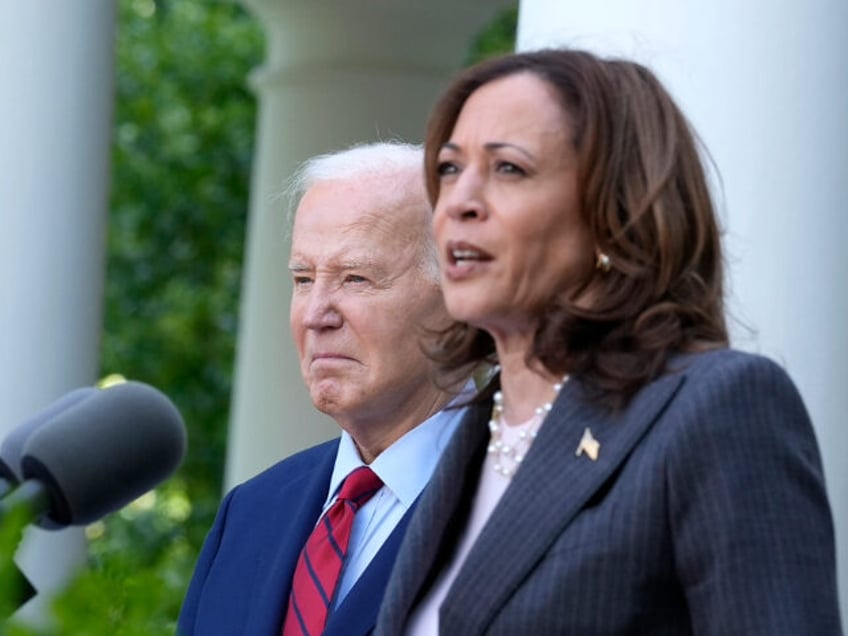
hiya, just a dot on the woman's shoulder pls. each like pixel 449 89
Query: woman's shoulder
pixel 725 381
pixel 729 383
pixel 726 363
pixel 729 402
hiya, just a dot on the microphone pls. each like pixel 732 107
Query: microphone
pixel 13 444
pixel 98 455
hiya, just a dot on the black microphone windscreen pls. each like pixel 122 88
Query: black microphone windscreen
pixel 102 453
pixel 12 447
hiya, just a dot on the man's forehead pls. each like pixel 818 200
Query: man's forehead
pixel 357 227
pixel 359 230
pixel 374 201
pixel 339 235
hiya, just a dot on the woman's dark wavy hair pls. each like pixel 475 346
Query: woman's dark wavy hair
pixel 646 202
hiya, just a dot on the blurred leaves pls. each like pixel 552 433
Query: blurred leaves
pixel 13 584
pixel 183 146
pixel 141 560
pixel 182 152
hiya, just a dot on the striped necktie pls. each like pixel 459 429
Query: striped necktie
pixel 317 572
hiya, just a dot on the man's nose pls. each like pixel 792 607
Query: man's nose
pixel 322 310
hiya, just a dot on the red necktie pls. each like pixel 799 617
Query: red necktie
pixel 320 563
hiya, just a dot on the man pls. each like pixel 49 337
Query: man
pixel 365 276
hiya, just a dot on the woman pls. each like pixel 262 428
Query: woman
pixel 625 472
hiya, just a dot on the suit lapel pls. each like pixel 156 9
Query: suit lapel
pixel 440 514
pixel 544 496
pixel 295 523
pixel 357 614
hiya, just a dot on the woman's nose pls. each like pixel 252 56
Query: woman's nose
pixel 463 200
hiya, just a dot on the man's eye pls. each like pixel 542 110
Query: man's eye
pixel 355 278
pixel 300 281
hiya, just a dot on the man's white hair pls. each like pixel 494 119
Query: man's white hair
pixel 392 161
pixel 374 159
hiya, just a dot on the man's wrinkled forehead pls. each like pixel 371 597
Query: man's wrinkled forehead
pixel 345 255
pixel 379 219
pixel 368 242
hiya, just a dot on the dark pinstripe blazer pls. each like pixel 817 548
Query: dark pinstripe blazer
pixel 705 513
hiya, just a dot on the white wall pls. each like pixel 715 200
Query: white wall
pixel 765 85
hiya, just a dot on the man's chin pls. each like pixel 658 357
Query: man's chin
pixel 327 397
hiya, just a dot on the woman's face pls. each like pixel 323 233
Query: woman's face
pixel 507 220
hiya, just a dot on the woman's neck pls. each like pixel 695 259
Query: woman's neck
pixel 524 388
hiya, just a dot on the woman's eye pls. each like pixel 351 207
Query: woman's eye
pixel 507 167
pixel 445 168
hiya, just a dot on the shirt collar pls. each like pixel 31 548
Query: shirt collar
pixel 406 466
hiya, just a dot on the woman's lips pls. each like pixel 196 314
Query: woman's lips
pixel 464 259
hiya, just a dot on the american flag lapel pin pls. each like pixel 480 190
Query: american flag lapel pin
pixel 588 445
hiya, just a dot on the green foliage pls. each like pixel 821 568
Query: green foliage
pixel 141 560
pixel 181 168
pixel 12 583
pixel 497 38
pixel 183 146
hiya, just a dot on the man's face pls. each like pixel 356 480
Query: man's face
pixel 359 299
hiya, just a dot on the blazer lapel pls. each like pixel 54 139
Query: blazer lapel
pixel 554 483
pixel 439 517
pixel 295 523
pixel 357 614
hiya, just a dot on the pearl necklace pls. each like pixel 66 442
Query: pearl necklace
pixel 509 457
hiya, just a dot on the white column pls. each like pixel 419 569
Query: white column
pixel 56 67
pixel 336 72
pixel 765 85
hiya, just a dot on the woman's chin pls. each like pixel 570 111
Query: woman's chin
pixel 463 310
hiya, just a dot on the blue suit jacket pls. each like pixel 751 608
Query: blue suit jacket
pixel 705 513
pixel 243 576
